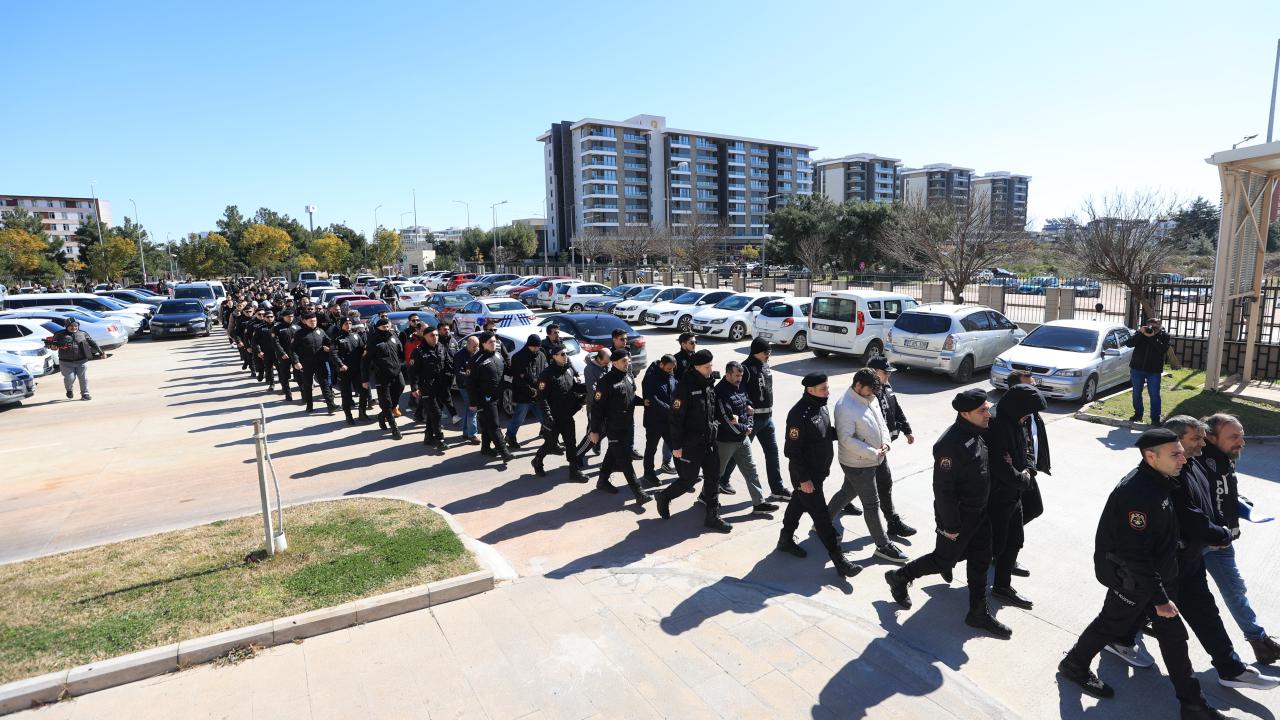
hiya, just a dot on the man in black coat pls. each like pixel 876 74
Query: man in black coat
pixel 561 394
pixel 380 367
pixel 348 355
pixel 657 388
pixel 432 369
pixel 526 366
pixel 613 416
pixel 484 391
pixel 1011 449
pixel 284 331
pixel 961 486
pixel 694 423
pixel 1150 345
pixel 688 346
pixel 311 351
pixel 264 345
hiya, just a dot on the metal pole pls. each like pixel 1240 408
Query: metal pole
pixel 1275 75
pixel 467 205
pixel 259 442
pixel 415 210
pixel 142 260
pixel 97 218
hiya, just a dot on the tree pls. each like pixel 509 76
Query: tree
pixel 750 253
pixel 589 244
pixel 385 250
pixel 633 244
pixel 700 242
pixel 803 229
pixel 20 252
pixel 204 257
pixel 109 257
pixel 232 225
pixel 1273 236
pixel 952 243
pixel 331 252
pixel 1197 219
pixel 473 241
pixel 1119 240
pixel 858 232
pixel 264 247
pixel 515 242
pixel 356 244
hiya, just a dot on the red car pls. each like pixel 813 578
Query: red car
pixel 460 278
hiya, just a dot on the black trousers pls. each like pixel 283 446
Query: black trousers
pixel 618 459
pixel 564 431
pixel 884 489
pixel 310 375
pixel 704 460
pixel 1198 608
pixel 653 439
pixel 389 397
pixel 353 390
pixel 1006 538
pixel 815 504
pixel 487 419
pixel 973 545
pixel 1119 615
pixel 258 364
pixel 429 411
pixel 268 369
pixel 285 369
pixel 246 361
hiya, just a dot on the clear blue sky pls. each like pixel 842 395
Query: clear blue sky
pixel 186 108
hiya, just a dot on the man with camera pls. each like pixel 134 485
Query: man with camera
pixel 1150 344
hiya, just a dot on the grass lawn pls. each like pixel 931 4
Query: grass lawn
pixel 1182 393
pixel 86 605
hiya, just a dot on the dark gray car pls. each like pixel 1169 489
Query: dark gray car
pixel 485 284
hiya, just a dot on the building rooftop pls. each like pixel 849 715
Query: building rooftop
pixel 658 123
pixel 856 157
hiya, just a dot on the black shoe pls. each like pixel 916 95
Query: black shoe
pixel 329 410
pixel 664 505
pixel 726 490
pixel 605 486
pixel 898 586
pixel 556 449
pixel 1136 417
pixel 982 619
pixel 948 575
pixel 288 397
pixel 1155 421
pixel 636 456
pixel 577 476
pixel 506 456
pixel 1201 711
pixel 781 493
pixel 537 467
pixel 641 501
pixel 899 528
pixel 395 432
pixel 490 452
pixel 363 417
pixel 764 508
pixel 843 566
pixel 1085 678
pixel 1266 650
pixel 788 545
pixel 1009 596
pixel 382 421
pixel 716 523
pixel 852 509
pixel 85 397
pixel 1020 571
pixel 70 394
pixel 310 409
pixel 512 444
pixel 440 446
pixel 650 480
pixel 350 420
pixel 666 469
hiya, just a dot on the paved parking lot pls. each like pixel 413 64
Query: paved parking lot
pixel 166 443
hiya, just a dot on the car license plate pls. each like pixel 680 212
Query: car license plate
pixel 766 335
pixel 701 328
pixel 918 344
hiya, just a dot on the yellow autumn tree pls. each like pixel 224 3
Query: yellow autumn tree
pixel 331 252
pixel 20 251
pixel 264 247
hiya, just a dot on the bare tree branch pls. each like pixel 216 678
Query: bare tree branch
pixel 700 242
pixel 1120 239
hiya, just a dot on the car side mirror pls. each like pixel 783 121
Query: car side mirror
pixel 1111 352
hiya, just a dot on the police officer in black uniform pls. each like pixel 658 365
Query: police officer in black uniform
pixel 432 368
pixel 694 422
pixel 484 390
pixel 1135 558
pixel 552 342
pixel 264 345
pixel 561 394
pixel 657 388
pixel 688 346
pixel 311 350
pixel 613 415
pixel 810 448
pixel 348 352
pixel 961 486
pixel 284 331
pixel 380 367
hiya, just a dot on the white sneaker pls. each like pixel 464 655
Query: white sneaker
pixel 1250 678
pixel 456 419
pixel 1135 655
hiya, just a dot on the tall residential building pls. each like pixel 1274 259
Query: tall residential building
pixel 1004 195
pixel 416 235
pixel 863 176
pixel 606 175
pixel 936 183
pixel 61 216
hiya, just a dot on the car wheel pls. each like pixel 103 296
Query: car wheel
pixel 737 332
pixel 575 308
pixel 683 323
pixel 1090 392
pixel 965 373
pixel 820 353
pixel 874 350
pixel 799 342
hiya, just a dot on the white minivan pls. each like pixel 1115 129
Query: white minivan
pixel 854 322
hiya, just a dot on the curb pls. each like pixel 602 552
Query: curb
pixel 111 672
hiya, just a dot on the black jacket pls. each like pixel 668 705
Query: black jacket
pixel 694 413
pixel 1135 550
pixel 683 360
pixel 1221 473
pixel 1009 443
pixel 561 393
pixel 1148 352
pixel 657 388
pixel 74 346
pixel 613 411
pixel 462 367
pixel 1199 523
pixel 284 338
pixel 524 375
pixel 383 357
pixel 311 347
pixel 961 475
pixel 811 441
pixel 484 384
pixel 433 370
pixel 892 411
pixel 348 349
pixel 757 380
pixel 735 420
pixel 264 341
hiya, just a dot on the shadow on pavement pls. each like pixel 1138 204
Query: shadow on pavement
pixel 215 388
pixel 450 466
pixel 590 504
pixel 651 534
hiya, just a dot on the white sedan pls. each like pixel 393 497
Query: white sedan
pixel 507 312
pixel 679 312
pixel 785 321
pixel 633 309
pixel 104 331
pixel 1069 359
pixel 411 296
pixel 33 355
pixel 733 317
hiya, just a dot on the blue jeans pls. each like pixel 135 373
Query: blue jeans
pixel 764 434
pixel 1152 380
pixel 518 415
pixel 470 424
pixel 1221 565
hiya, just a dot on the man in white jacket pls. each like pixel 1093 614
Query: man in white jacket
pixel 862 441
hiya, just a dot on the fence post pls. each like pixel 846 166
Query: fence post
pixel 1066 303
pixel 668 277
pixel 931 293
pixel 689 278
pixel 739 283
pixel 839 284
pixel 768 285
pixel 1052 299
pixel 803 286
pixel 882 286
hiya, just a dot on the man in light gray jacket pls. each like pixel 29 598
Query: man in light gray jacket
pixel 862 441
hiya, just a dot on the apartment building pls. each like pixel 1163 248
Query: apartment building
pixel 864 176
pixel 604 176
pixel 1004 195
pixel 61 216
pixel 416 236
pixel 939 182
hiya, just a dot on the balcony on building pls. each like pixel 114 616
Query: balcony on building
pixel 633 137
pixel 679 141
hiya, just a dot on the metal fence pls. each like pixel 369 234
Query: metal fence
pixel 1186 309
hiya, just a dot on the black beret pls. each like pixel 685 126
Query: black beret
pixel 534 341
pixel 286 311
pixel 814 379
pixel 485 337
pixel 307 315
pixel 1155 436
pixel 759 345
pixel 880 363
pixel 969 400
pixel 619 354
pixel 702 357
pixel 382 322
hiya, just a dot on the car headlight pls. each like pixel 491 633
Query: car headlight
pixel 31 353
pixel 1001 363
pixel 8 378
pixel 667 313
pixel 198 321
pixel 1069 373
pixel 718 321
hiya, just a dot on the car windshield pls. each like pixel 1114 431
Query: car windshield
pixel 776 310
pixel 112 303
pixel 688 298
pixel 505 306
pixel 618 291
pixel 413 288
pixel 916 322
pixel 456 298
pixel 734 302
pixel 200 293
pixel 646 294
pixel 1052 337
pixel 368 311
pixel 180 306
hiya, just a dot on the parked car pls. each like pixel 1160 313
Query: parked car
pixel 1012 282
pixel 785 321
pixel 458 279
pixel 594 331
pixel 1069 359
pixel 445 304
pixel 996 272
pixel 520 284
pixel 438 283
pixel 548 288
pixel 633 309
pixel 606 302
pixel 951 339
pixel 33 333
pixel 574 297
pixel 678 312
pixel 368 308
pixel 733 317
pixel 16 384
pixel 505 310
pixel 198 291
pixel 181 317
pixel 1083 287
pixel 854 322
pixel 106 332
pixel 344 301
pixel 411 296
pixel 484 285
pixel 1037 285
pixel 373 288
pixel 328 296
pixel 133 296
pixel 360 286
pixel 400 319
pixel 528 298
pixel 130 317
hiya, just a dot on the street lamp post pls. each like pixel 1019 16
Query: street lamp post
pixel 97 219
pixel 467 205
pixel 142 260
pixel 494 209
pixel 1244 140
